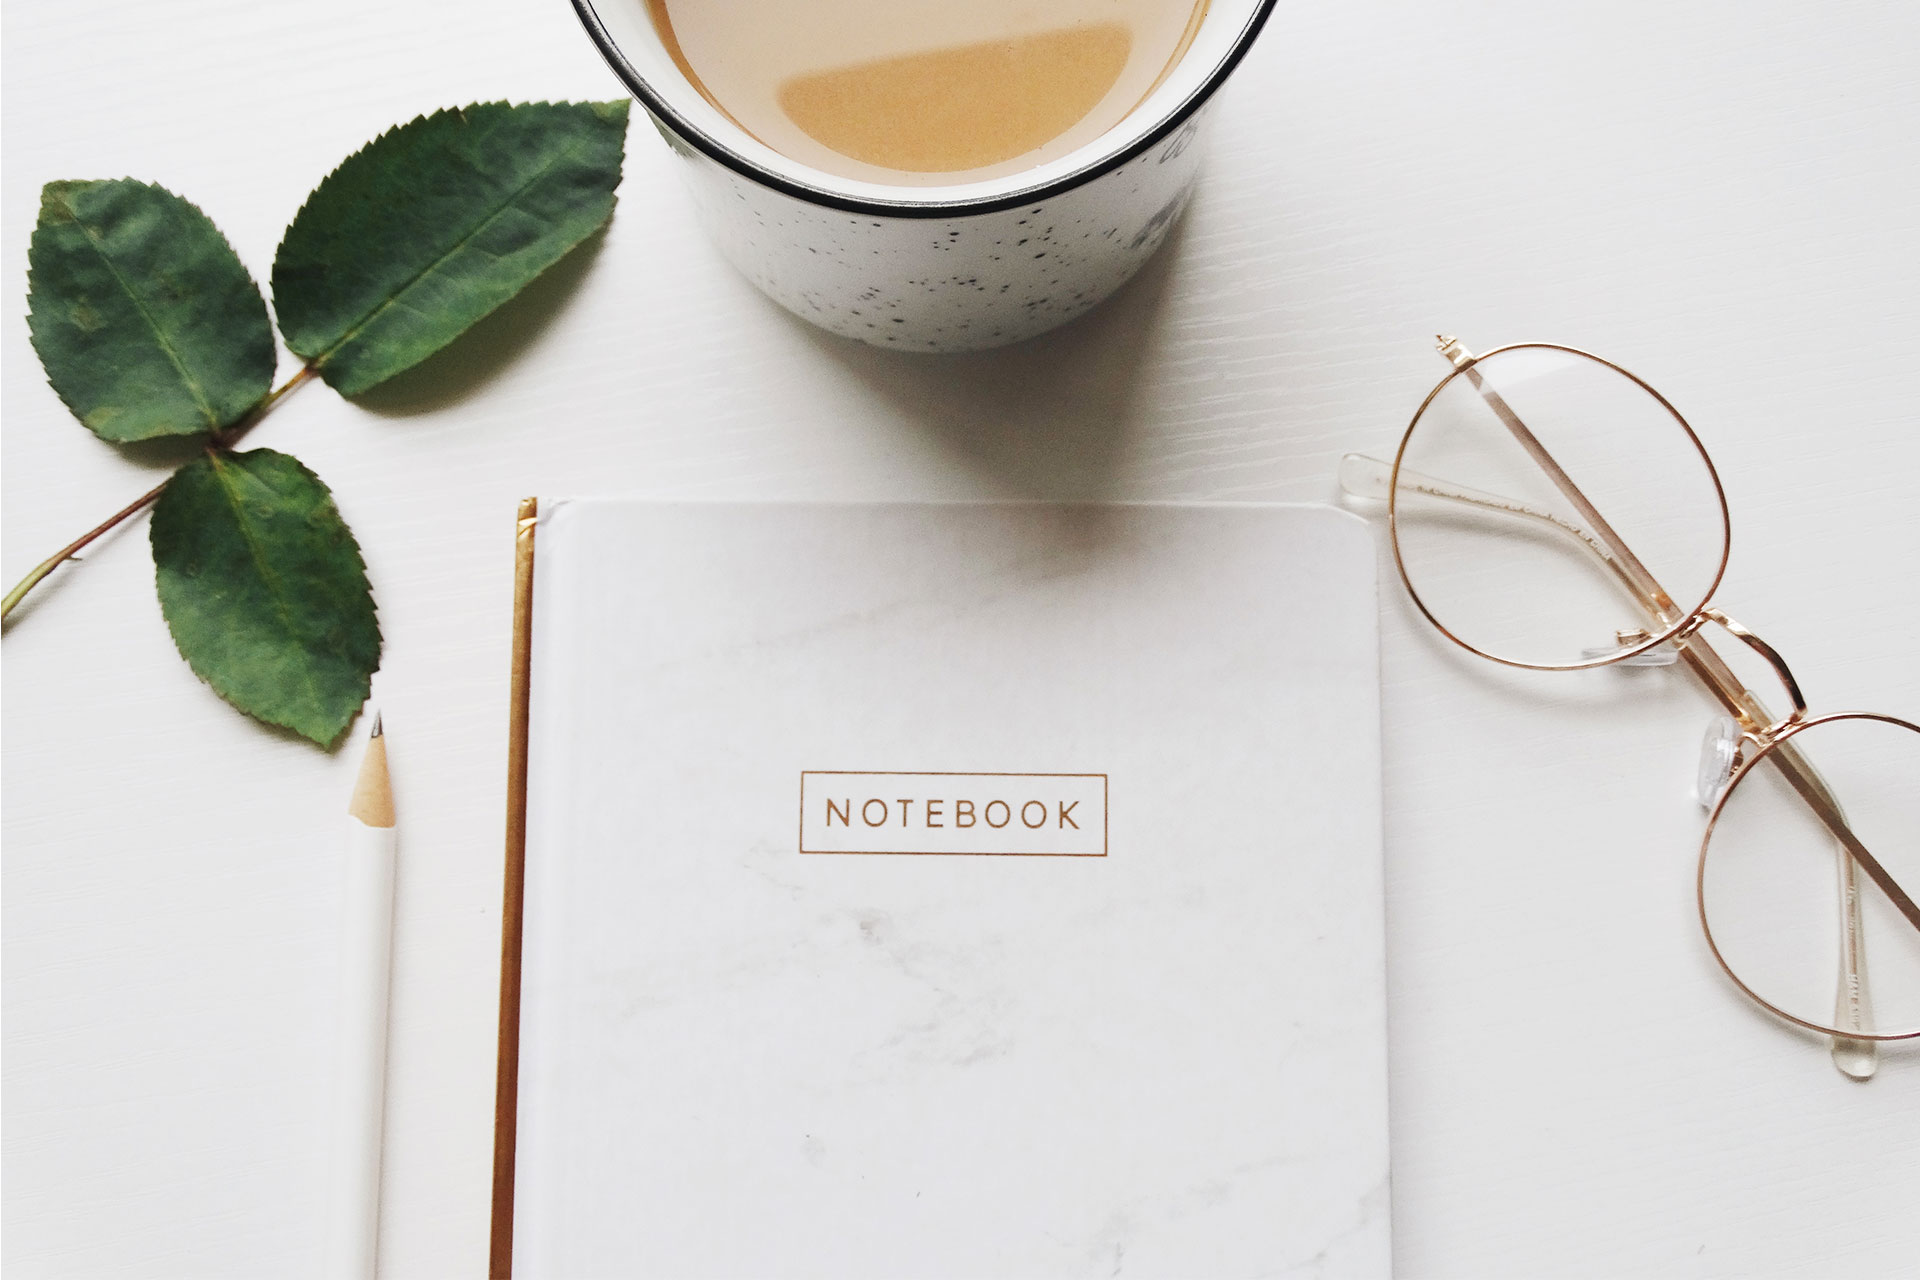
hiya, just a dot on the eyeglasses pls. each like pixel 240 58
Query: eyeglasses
pixel 1812 843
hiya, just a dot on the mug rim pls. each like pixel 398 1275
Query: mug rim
pixel 824 197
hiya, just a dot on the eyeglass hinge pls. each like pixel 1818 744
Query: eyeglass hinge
pixel 1450 348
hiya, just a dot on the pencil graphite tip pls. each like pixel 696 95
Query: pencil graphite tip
pixel 372 801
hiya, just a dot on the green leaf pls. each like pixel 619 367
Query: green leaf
pixel 142 314
pixel 434 224
pixel 264 590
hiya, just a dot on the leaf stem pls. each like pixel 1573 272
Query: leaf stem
pixel 219 440
pixel 273 397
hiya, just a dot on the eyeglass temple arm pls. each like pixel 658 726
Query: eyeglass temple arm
pixel 1643 581
pixel 1365 477
pixel 1362 476
pixel 1788 758
pixel 1699 655
pixel 1801 777
pixel 1370 478
pixel 1854 1057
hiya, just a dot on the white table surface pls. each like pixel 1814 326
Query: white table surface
pixel 1720 195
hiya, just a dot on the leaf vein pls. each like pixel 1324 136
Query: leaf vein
pixel 275 589
pixel 139 304
pixel 509 205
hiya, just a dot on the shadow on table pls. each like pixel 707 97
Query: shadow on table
pixel 1052 417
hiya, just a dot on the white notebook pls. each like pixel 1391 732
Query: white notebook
pixel 946 891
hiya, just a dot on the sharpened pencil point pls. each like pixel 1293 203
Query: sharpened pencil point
pixel 373 790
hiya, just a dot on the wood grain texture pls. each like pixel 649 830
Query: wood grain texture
pixel 1718 195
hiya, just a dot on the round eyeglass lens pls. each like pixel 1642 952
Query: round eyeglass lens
pixel 1551 511
pixel 1797 921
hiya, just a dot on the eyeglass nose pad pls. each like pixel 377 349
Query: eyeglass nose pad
pixel 1661 655
pixel 1719 757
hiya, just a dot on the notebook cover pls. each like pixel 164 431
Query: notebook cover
pixel 943 890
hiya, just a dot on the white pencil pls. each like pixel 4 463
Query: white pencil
pixel 360 1060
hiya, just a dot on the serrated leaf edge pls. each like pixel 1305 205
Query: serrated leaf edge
pixel 33 294
pixel 360 560
pixel 461 243
pixel 423 118
pixel 319 362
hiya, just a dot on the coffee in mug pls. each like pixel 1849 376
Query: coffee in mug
pixel 925 93
pixel 931 175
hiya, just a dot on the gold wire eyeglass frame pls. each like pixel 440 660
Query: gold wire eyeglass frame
pixel 1762 737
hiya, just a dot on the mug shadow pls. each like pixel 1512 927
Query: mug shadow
pixel 1053 417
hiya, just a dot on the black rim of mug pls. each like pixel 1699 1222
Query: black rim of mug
pixel 667 116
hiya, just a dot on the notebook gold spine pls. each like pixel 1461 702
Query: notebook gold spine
pixel 507 1068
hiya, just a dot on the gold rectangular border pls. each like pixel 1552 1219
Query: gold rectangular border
pixel 1105 817
pixel 506 1080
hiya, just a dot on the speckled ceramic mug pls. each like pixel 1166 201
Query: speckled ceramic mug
pixel 938 268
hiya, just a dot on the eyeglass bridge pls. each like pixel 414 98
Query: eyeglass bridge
pixel 1754 719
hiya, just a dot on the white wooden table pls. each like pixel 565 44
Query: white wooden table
pixel 1720 195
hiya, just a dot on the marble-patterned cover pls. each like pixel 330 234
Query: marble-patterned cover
pixel 741 1060
pixel 948 283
